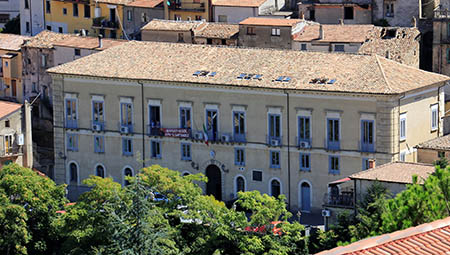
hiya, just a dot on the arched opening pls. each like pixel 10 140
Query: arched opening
pixel 73 174
pixel 185 173
pixel 305 191
pixel 127 172
pixel 214 184
pixel 275 188
pixel 100 171
pixel 240 184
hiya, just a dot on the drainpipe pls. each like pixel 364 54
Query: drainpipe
pixel 288 149
pixel 143 123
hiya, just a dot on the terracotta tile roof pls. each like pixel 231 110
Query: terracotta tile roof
pixel 172 25
pixel 353 73
pixel 217 30
pixel 257 21
pixel 12 42
pixel 121 2
pixel 145 3
pixel 334 33
pixel 398 172
pixel 428 238
pixel 7 108
pixel 85 42
pixel 239 3
pixel 45 39
pixel 439 143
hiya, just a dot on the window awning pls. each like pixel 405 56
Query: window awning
pixel 339 181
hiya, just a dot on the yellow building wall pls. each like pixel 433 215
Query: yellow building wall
pixel 10 73
pixel 188 10
pixel 105 13
pixel 56 18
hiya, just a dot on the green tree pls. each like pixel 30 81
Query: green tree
pixel 12 26
pixel 28 218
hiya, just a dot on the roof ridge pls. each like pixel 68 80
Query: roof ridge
pixel 388 164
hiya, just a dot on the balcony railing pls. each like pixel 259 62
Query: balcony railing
pixel 11 151
pixel 442 14
pixel 186 5
pixel 73 124
pixel 104 23
pixel 274 140
pixel 157 130
pixel 344 199
pixel 332 145
pixel 367 147
pixel 240 138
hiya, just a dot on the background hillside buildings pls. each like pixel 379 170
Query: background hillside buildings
pixel 324 116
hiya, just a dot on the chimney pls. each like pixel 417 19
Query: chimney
pixel 341 21
pixel 100 42
pixel 371 163
pixel 321 33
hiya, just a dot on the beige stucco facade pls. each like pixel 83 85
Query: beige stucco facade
pixel 257 104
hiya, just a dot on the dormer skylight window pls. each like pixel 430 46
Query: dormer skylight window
pixel 257 77
pixel 248 76
pixel 287 79
pixel 203 73
pixel 280 78
pixel 332 81
pixel 197 73
pixel 241 76
pixel 212 74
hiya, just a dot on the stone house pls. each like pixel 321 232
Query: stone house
pixel 336 11
pixel 345 194
pixel 281 122
pixel 269 32
pixel 11 67
pixel 15 134
pixel 138 13
pixel 217 34
pixel 402 12
pixel 397 43
pixel 430 151
pixel 441 41
pixel 235 11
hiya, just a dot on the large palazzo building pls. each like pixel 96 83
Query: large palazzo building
pixel 281 122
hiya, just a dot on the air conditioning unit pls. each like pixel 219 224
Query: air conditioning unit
pixel 305 145
pixel 274 142
pixel 96 127
pixel 241 168
pixel 198 136
pixel 326 213
pixel 124 130
pixel 20 139
pixel 225 138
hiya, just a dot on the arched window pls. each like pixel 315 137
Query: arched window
pixel 275 188
pixel 73 173
pixel 100 171
pixel 240 184
pixel 127 172
pixel 186 173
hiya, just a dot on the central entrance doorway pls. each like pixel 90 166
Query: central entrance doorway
pixel 214 184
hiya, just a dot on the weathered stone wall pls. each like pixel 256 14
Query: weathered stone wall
pixel 395 43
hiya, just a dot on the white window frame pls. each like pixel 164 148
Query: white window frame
pixel 434 109
pixel 402 131
pixel 276 31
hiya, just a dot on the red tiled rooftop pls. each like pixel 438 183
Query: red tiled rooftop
pixel 7 108
pixel 428 238
pixel 334 33
pixel 145 3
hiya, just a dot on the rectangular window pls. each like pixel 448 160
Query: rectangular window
pixel 87 11
pixel 365 163
pixel 334 165
pixel 127 147
pixel 64 11
pixel 177 17
pixel 155 119
pixel 49 28
pixel 239 156
pixel 126 116
pixel 77 52
pixel 348 12
pixel 48 6
pixel 305 162
pixel 402 126
pixel 434 117
pixel 60 30
pixel 257 176
pixel 71 113
pixel 441 154
pixel 448 55
pixel 44 59
pixel 367 136
pixel 389 9
pixel 304 129
pixel 250 30
pixel 212 125
pixel 239 126
pixel 98 117
pixel 156 149
pixel 275 32
pixel 274 159
pixel 339 48
pixel 8 142
pixel 26 4
pixel 27 26
pixel 333 134
pixel 99 144
pixel 72 142
pixel 274 126
pixel 223 18
pixel 403 156
pixel 304 47
pixel 129 15
pixel 185 117
pixel 198 17
pixel 75 10
pixel 186 152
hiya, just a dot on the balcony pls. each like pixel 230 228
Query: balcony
pixel 11 151
pixel 103 23
pixel 303 143
pixel 125 128
pixel 157 130
pixel 240 138
pixel 332 145
pixel 72 124
pixel 442 14
pixel 367 147
pixel 186 5
pixel 342 200
pixel 274 141
pixel 98 125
